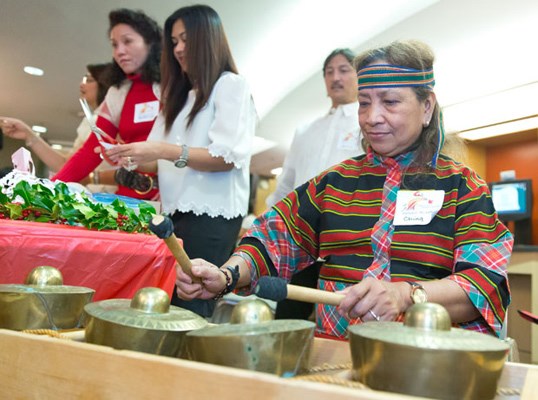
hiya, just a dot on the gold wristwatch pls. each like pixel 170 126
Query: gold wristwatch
pixel 418 294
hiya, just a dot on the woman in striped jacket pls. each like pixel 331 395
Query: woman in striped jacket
pixel 401 224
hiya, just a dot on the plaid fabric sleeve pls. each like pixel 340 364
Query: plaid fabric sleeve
pixel 269 249
pixel 480 270
pixel 483 246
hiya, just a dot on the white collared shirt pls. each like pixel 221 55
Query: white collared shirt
pixel 318 146
pixel 225 126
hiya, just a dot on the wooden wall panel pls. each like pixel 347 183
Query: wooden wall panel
pixel 476 159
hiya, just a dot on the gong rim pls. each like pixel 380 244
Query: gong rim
pixel 120 312
pixel 261 328
pixel 456 339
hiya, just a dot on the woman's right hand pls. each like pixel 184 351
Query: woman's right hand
pixel 15 128
pixel 374 299
pixel 212 281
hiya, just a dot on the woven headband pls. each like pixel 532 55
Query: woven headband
pixel 391 76
pixel 386 76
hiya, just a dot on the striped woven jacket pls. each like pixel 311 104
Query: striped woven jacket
pixel 332 217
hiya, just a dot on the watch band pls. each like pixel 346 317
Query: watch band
pixel 181 162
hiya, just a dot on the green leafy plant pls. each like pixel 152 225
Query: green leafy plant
pixel 59 206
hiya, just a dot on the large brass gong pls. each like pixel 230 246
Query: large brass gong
pixel 425 356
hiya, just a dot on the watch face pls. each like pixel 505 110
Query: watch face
pixel 419 295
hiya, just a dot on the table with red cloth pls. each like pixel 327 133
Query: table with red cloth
pixel 115 264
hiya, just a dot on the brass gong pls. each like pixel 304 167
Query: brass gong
pixel 425 356
pixel 43 302
pixel 147 323
pixel 280 347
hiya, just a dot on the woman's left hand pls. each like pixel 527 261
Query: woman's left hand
pixel 373 300
pixel 210 281
pixel 137 153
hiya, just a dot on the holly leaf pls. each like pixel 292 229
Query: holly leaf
pixel 3 198
pixel 85 210
pixel 15 210
pixel 60 206
pixel 24 190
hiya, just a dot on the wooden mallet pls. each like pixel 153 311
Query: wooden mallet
pixel 278 289
pixel 163 227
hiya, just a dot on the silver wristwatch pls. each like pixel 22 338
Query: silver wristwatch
pixel 181 162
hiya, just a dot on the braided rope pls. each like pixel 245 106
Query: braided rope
pixel 46 332
pixel 328 367
pixel 328 378
pixel 332 380
pixel 508 392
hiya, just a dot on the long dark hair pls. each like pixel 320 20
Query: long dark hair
pixel 207 55
pixel 152 34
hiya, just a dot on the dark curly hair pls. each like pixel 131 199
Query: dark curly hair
pixel 152 34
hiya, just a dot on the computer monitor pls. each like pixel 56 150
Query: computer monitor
pixel 512 199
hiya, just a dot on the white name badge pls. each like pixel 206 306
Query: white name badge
pixel 348 140
pixel 145 112
pixel 417 207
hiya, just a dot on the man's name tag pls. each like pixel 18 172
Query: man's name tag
pixel 145 112
pixel 417 207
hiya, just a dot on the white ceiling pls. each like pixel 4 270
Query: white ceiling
pixel 483 47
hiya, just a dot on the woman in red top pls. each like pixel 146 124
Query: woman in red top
pixel 131 104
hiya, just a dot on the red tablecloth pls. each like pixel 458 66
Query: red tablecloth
pixel 114 264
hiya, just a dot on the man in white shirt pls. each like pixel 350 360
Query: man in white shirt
pixel 329 139
pixel 326 141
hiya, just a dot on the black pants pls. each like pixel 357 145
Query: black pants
pixel 212 239
pixel 293 309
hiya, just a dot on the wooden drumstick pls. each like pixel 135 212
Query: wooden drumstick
pixel 277 289
pixel 163 227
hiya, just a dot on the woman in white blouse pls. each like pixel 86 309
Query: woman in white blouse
pixel 202 139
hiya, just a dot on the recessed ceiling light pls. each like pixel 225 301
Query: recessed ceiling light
pixel 276 171
pixel 38 128
pixel 33 71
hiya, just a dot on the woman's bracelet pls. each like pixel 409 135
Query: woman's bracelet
pixel 231 283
